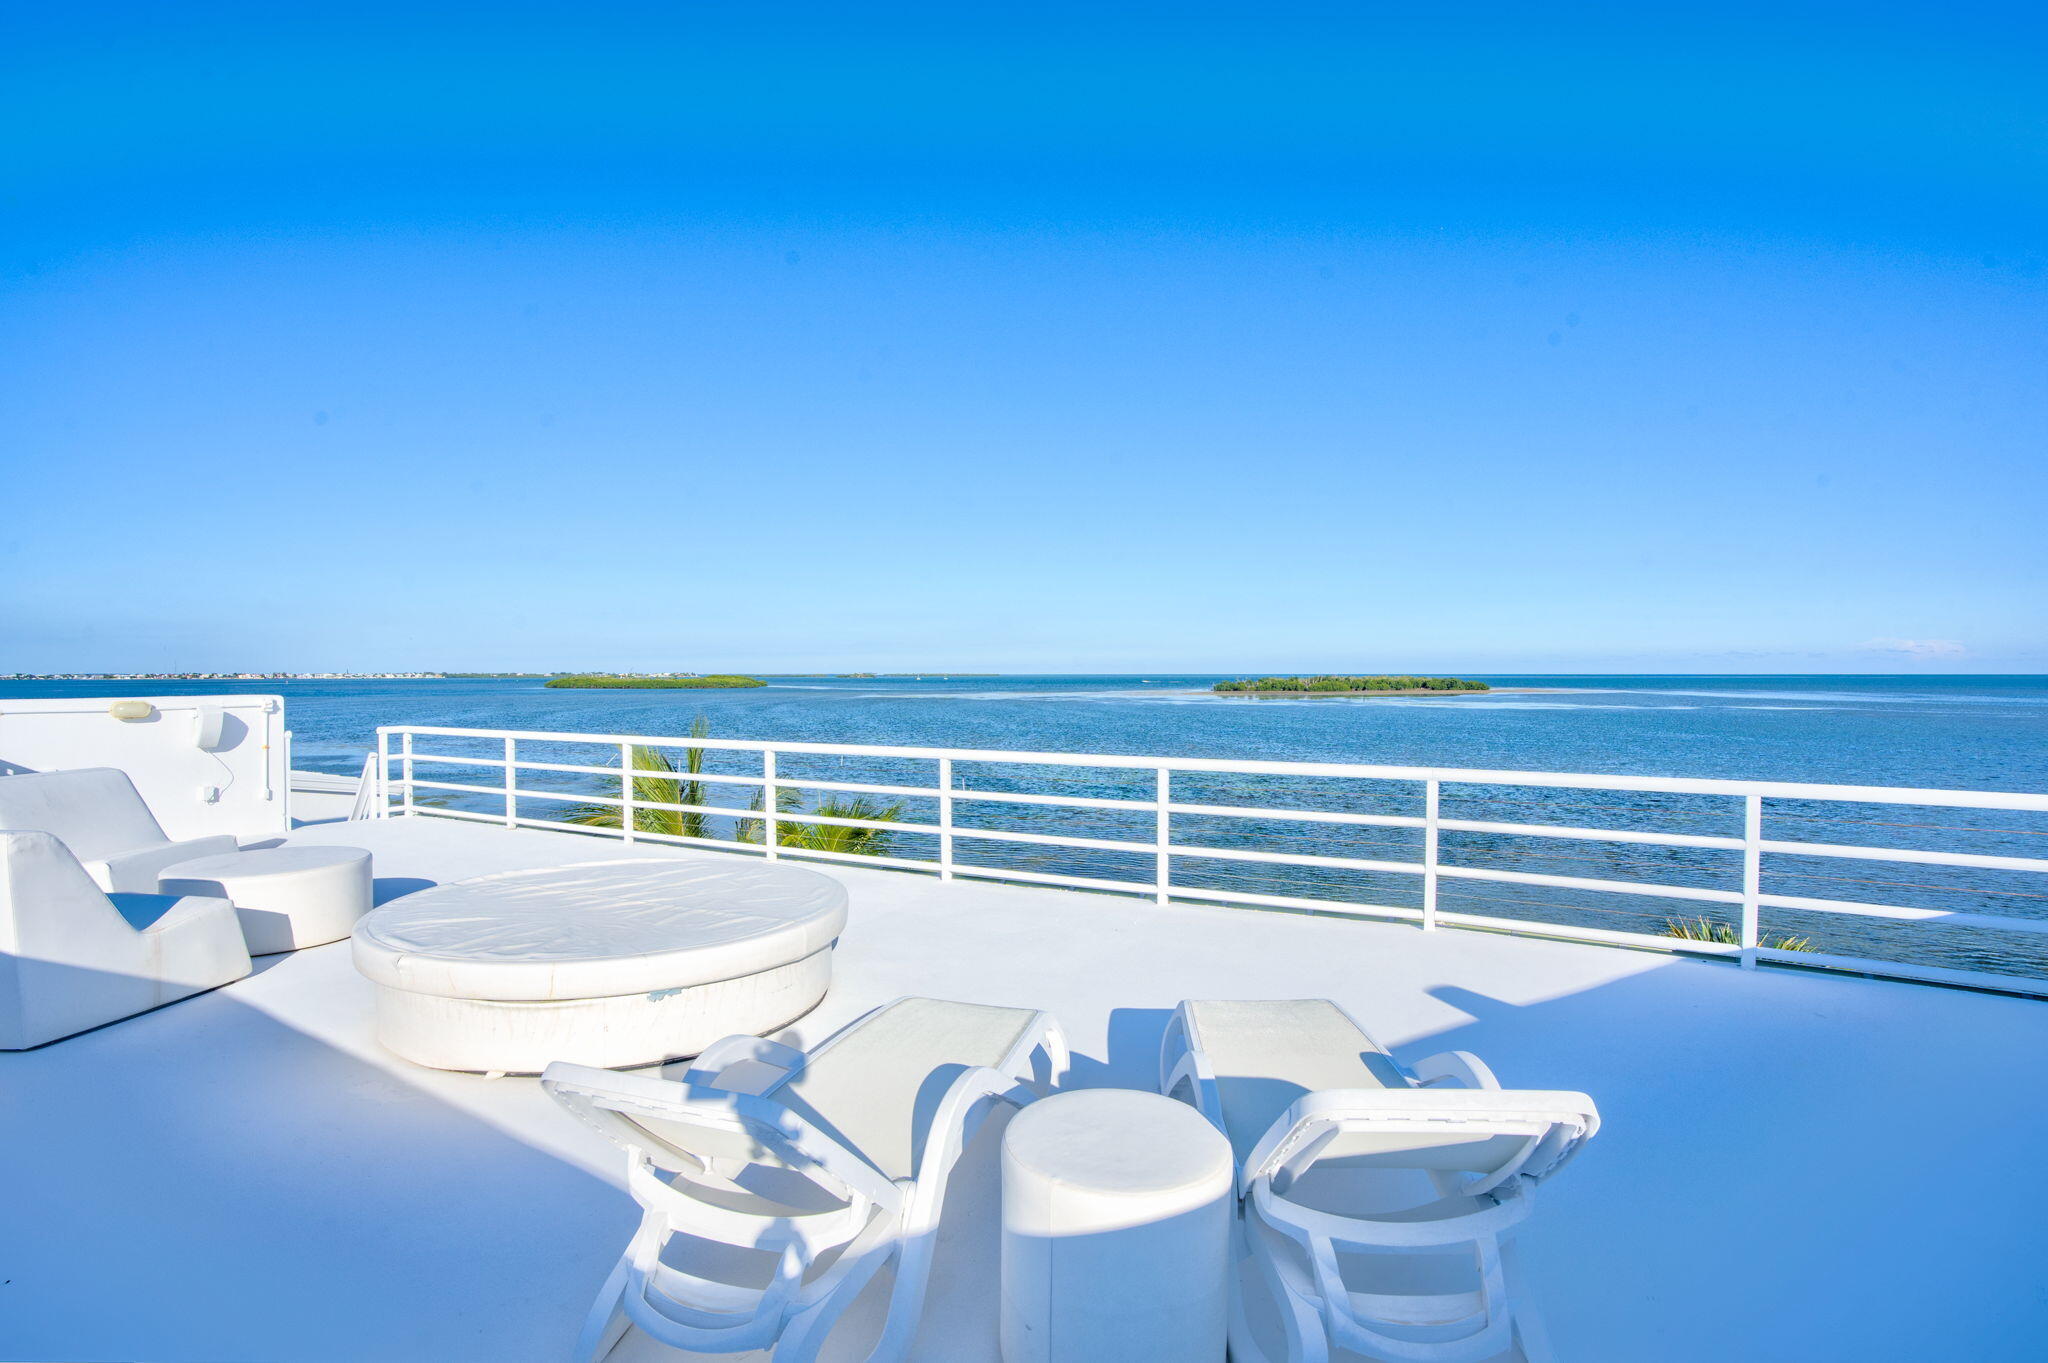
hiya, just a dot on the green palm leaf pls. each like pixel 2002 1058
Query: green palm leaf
pixel 668 787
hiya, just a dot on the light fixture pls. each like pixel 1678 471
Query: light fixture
pixel 131 709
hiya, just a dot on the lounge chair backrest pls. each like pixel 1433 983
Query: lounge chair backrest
pixel 50 909
pixel 703 1135
pixel 1435 1150
pixel 95 811
pixel 1492 1134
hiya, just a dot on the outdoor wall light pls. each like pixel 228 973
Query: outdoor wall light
pixel 131 709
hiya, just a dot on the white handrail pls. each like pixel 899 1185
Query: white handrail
pixel 369 786
pixel 1776 790
pixel 1162 848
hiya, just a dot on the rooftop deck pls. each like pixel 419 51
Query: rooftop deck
pixel 1793 1166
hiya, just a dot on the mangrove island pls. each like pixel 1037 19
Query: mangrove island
pixel 1352 686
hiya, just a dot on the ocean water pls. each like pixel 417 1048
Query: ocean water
pixel 1981 733
pixel 1988 733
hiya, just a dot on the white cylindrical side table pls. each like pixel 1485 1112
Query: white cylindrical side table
pixel 1116 1231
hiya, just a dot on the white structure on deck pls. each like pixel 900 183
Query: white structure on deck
pixel 408 762
pixel 617 964
pixel 1776 1177
pixel 73 957
pixel 207 765
pixel 298 1192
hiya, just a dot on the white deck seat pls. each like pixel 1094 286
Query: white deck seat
pixel 802 1175
pixel 102 818
pixel 1377 1201
pixel 613 964
pixel 71 958
pixel 286 897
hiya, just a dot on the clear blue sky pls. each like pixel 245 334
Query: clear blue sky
pixel 1040 338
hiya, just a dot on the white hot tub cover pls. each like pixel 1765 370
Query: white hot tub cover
pixel 599 929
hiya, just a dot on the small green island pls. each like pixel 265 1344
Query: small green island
pixel 599 681
pixel 1351 686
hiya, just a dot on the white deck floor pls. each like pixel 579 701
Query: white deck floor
pixel 1793 1167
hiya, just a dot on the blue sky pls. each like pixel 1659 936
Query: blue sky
pixel 1051 338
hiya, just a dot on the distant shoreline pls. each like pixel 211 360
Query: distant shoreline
pixel 1438 695
pixel 606 683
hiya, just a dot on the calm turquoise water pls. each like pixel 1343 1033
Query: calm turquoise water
pixel 1988 733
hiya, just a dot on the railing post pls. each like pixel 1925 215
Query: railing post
pixel 945 818
pixel 383 773
pixel 1752 874
pixel 629 822
pixel 771 825
pixel 405 772
pixel 1431 795
pixel 511 783
pixel 1163 835
pixel 368 788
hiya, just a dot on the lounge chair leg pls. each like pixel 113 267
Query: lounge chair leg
pixel 1304 1337
pixel 607 1321
pixel 906 1297
pixel 805 1332
pixel 1244 1346
pixel 1530 1332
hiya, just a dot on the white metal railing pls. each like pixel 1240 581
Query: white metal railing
pixel 396 745
pixel 369 791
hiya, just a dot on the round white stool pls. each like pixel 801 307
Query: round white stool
pixel 286 897
pixel 1116 1231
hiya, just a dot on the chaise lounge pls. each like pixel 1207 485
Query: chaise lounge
pixel 1377 1200
pixel 787 1161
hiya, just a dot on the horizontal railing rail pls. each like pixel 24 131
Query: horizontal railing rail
pixel 1160 845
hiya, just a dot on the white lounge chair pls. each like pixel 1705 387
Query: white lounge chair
pixel 798 1176
pixel 101 817
pixel 1376 1200
pixel 71 958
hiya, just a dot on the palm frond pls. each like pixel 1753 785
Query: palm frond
pixel 837 837
pixel 667 784
pixel 1705 929
pixel 801 835
pixel 668 787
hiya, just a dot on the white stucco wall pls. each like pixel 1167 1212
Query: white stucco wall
pixel 161 756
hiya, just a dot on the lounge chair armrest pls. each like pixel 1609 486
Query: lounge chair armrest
pixel 708 1069
pixel 953 1124
pixel 1456 1069
pixel 1184 1071
pixel 1042 1033
pixel 136 870
pixel 1357 1230
pixel 198 941
pixel 1190 1082
pixel 187 909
